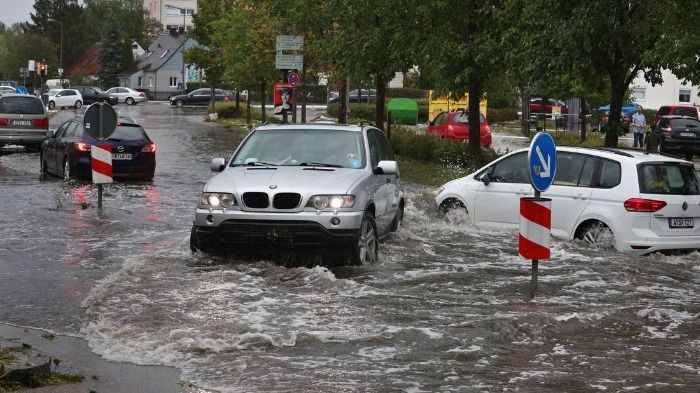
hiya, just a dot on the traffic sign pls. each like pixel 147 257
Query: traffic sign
pixel 100 120
pixel 293 79
pixel 542 161
pixel 289 62
pixel 289 42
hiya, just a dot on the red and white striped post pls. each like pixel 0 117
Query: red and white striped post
pixel 535 231
pixel 101 168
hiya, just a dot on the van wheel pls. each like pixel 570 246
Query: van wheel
pixel 366 248
pixel 597 234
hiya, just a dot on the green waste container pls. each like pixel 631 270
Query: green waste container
pixel 403 110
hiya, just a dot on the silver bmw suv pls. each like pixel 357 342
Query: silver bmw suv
pixel 330 189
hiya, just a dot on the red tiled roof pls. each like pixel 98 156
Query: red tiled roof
pixel 87 64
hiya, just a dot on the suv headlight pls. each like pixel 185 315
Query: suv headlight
pixel 217 200
pixel 321 202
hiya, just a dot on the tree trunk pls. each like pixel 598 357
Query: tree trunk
pixel 381 95
pixel 474 146
pixel 262 102
pixel 614 126
pixel 342 100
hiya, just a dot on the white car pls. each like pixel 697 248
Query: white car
pixel 7 90
pixel 127 95
pixel 639 203
pixel 62 98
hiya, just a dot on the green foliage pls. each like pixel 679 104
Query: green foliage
pixel 499 115
pixel 574 139
pixel 407 93
pixel 110 56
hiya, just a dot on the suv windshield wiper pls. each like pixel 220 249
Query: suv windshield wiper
pixel 260 163
pixel 320 164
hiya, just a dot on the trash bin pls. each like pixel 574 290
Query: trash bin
pixel 403 110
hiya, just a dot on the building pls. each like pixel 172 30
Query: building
pixel 172 14
pixel 672 91
pixel 160 69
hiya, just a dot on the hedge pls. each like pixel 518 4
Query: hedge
pixel 499 115
pixel 367 112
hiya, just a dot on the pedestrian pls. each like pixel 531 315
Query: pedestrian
pixel 638 124
pixel 37 91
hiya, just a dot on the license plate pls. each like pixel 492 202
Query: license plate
pixel 21 122
pixel 680 222
pixel 688 134
pixel 121 156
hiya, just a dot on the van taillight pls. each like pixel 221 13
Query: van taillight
pixel 42 123
pixel 80 146
pixel 150 148
pixel 4 121
pixel 644 205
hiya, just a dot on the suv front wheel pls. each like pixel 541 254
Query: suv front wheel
pixel 366 247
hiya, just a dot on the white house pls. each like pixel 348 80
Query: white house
pixel 671 91
pixel 172 14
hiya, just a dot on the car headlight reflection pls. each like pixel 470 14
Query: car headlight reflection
pixel 321 202
pixel 217 199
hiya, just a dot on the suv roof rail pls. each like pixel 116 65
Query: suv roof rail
pixel 615 150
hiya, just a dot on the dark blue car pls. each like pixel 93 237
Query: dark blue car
pixel 67 152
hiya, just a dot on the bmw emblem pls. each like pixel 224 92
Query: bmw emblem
pixel 273 186
pixel 685 206
pixel 120 148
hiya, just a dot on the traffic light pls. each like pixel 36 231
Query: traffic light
pixel 44 69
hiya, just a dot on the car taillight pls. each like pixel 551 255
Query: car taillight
pixel 82 147
pixel 644 205
pixel 142 94
pixel 4 121
pixel 42 123
pixel 151 148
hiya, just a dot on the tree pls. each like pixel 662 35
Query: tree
pixel 110 56
pixel 463 51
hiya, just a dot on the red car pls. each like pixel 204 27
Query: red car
pixel 536 106
pixel 455 126
pixel 680 110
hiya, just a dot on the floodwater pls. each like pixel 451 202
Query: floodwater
pixel 447 307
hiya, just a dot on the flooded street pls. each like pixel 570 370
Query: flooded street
pixel 447 308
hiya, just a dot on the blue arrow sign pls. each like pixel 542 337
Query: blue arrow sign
pixel 542 161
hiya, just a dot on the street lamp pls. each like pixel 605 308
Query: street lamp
pixel 61 56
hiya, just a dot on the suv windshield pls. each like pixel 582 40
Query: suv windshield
pixel 668 178
pixel 334 148
pixel 21 105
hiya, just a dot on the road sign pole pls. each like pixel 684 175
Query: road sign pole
pixel 294 105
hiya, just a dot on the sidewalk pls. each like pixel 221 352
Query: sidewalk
pixel 99 374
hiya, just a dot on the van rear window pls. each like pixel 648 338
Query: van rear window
pixel 668 178
pixel 21 105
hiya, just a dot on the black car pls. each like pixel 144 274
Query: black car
pixel 201 97
pixel 92 94
pixel 67 152
pixel 362 95
pixel 677 135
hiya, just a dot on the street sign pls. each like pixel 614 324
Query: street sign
pixel 30 65
pixel 60 71
pixel 289 62
pixel 100 120
pixel 289 42
pixel 293 79
pixel 542 161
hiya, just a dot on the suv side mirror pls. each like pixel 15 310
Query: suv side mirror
pixel 387 168
pixel 50 133
pixel 486 178
pixel 217 164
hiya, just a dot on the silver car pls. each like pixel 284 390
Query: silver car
pixel 330 189
pixel 127 95
pixel 23 120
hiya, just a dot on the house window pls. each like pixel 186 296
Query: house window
pixel 640 94
pixel 684 95
pixel 139 81
pixel 172 11
pixel 150 81
pixel 173 81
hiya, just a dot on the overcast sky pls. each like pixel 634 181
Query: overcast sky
pixel 13 11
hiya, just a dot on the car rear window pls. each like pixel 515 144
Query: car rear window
pixel 463 118
pixel 128 133
pixel 684 123
pixel 668 178
pixel 21 105
pixel 692 112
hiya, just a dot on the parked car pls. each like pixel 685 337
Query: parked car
pixel 93 94
pixel 127 95
pixel 321 188
pixel 638 203
pixel 677 135
pixel 7 90
pixel 679 110
pixel 200 97
pixel 67 152
pixel 65 98
pixel 454 126
pixel 23 120
pixel 355 96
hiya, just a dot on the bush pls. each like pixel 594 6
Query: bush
pixel 405 92
pixel 499 115
pixel 574 139
pixel 227 110
pixel 367 112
